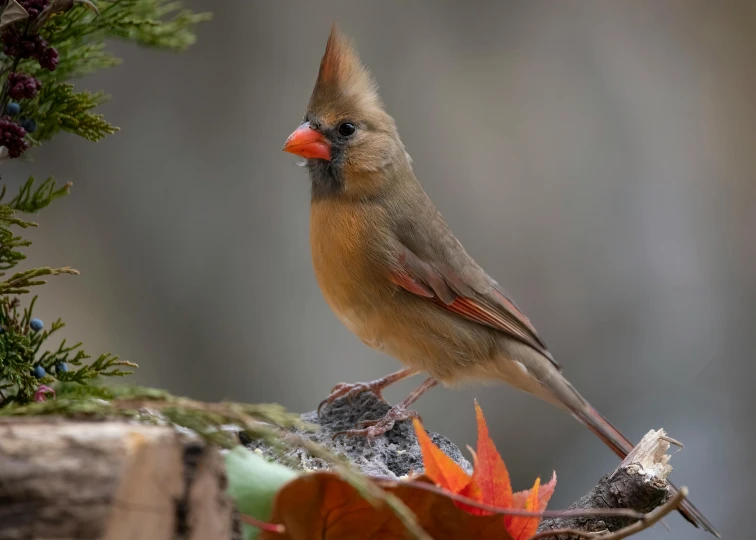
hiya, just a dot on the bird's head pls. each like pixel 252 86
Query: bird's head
pixel 346 137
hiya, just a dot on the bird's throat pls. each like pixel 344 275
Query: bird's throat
pixel 327 181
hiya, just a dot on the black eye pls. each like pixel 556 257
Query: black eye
pixel 346 129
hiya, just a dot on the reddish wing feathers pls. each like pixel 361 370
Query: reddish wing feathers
pixel 448 290
pixel 407 282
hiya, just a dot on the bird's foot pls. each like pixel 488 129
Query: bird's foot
pixel 355 389
pixel 376 428
pixel 352 390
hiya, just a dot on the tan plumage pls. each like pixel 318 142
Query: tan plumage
pixel 394 273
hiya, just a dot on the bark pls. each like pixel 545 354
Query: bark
pixel 640 483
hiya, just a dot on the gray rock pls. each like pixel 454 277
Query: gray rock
pixel 391 455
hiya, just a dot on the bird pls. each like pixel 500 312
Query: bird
pixel 395 275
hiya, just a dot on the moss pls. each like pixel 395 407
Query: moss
pixel 156 406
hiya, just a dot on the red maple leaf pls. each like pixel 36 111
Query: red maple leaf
pixel 489 483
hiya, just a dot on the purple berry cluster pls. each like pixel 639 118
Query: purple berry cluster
pixel 49 58
pixel 17 45
pixel 34 7
pixel 22 86
pixel 12 137
pixel 20 43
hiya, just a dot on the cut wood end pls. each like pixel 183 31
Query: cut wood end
pixel 650 457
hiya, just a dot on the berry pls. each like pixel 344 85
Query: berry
pixel 23 46
pixel 29 124
pixel 39 372
pixel 12 137
pixel 36 324
pixel 30 46
pixel 12 109
pixel 61 367
pixel 22 86
pixel 42 393
pixel 49 59
pixel 34 7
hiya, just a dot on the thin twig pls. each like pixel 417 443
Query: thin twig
pixel 262 525
pixel 556 533
pixel 578 512
pixel 645 522
pixel 671 440
pixel 650 519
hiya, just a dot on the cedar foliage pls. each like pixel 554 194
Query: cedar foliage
pixel 46 44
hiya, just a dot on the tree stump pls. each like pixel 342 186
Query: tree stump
pixel 63 479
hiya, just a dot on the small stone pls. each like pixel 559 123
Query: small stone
pixel 392 455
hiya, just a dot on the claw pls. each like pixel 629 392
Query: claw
pixel 368 433
pixel 351 391
pixel 320 406
pixel 376 428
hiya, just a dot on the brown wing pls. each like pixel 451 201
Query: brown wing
pixel 447 289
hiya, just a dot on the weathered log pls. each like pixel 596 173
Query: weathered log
pixel 62 479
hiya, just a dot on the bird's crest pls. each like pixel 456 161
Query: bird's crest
pixel 342 75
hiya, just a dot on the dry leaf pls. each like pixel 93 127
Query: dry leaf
pixel 489 484
pixel 439 467
pixel 322 506
pixel 490 473
pixel 522 527
pixel 544 495
pixel 13 12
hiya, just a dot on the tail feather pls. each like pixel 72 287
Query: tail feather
pixel 621 446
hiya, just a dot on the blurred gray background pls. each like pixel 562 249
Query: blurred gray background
pixel 597 158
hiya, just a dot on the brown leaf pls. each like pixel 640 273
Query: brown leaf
pixel 322 506
pixel 13 12
pixel 59 6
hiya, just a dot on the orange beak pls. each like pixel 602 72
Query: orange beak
pixel 309 143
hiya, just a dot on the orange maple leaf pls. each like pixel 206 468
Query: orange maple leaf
pixel 489 483
pixel 439 467
pixel 490 473
pixel 544 494
pixel 523 527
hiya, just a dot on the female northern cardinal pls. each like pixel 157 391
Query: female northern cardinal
pixel 394 273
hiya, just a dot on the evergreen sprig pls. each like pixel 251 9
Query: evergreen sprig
pixel 43 45
pixel 30 198
pixel 58 108
pixel 25 365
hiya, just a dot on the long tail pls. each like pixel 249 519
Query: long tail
pixel 622 446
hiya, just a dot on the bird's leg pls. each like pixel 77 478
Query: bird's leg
pixel 355 389
pixel 397 413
